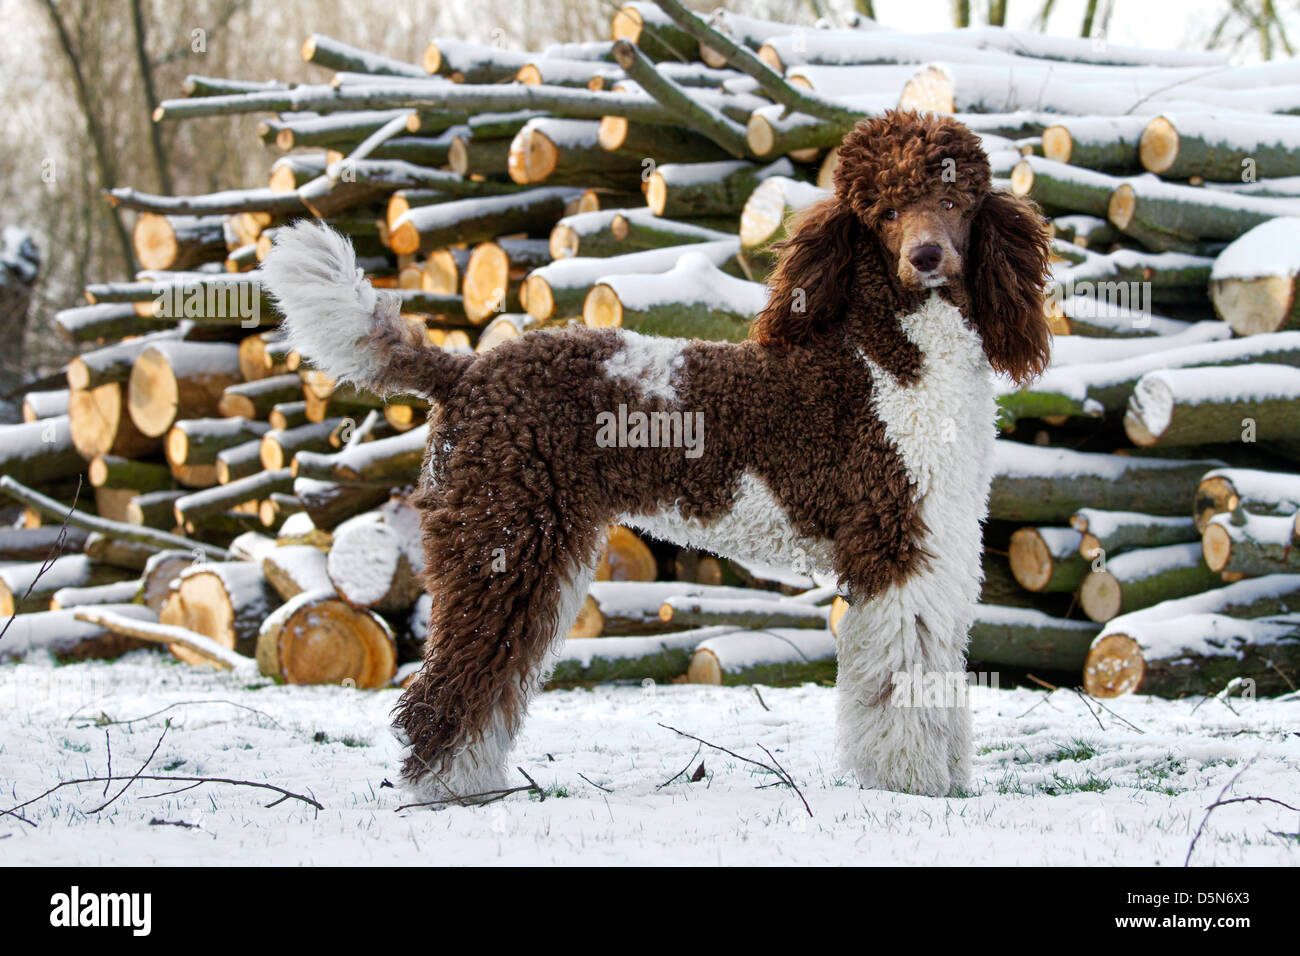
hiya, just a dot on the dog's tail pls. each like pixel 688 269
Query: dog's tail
pixel 336 320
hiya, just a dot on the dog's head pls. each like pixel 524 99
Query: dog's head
pixel 913 194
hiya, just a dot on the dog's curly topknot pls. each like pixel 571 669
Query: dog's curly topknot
pixel 900 157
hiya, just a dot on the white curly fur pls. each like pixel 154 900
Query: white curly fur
pixel 328 305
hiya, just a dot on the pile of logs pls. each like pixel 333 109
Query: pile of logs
pixel 240 508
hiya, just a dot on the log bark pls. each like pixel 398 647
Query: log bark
pixel 336 55
pixel 191 510
pixel 1050 484
pixel 105 322
pixel 377 558
pixel 1023 637
pixel 1107 533
pixel 1195 406
pixel 708 188
pixel 296 569
pixel 1055 185
pixel 329 503
pixel 316 638
pixel 1241 544
pixel 1108 144
pixel 118 592
pixel 279 447
pixel 694 299
pixel 37 544
pixel 43 450
pixel 1218 147
pixel 1254 282
pixel 153 509
pixel 753 614
pixel 1196 654
pixel 779 657
pixel 29 587
pixel 611 232
pixel 69 637
pixel 1163 216
pixel 255 399
pixel 112 363
pixel 1258 492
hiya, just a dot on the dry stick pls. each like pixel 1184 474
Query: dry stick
pixel 113 529
pixel 197 781
pixel 746 61
pixel 781 774
pixel 594 783
pixel 135 776
pixel 708 121
pixel 1218 801
pixel 683 770
pixel 55 552
pixel 103 721
pixel 394 127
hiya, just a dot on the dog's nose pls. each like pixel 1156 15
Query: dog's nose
pixel 926 258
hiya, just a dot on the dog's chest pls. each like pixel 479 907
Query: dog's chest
pixel 943 423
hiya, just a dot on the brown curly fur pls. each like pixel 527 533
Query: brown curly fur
pixel 516 492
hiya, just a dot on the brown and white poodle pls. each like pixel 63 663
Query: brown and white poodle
pixel 852 433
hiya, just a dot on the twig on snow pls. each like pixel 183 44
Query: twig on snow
pixel 780 773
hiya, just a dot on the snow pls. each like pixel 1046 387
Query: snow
pixel 1019 460
pixel 1103 524
pixel 1210 635
pixel 1079 349
pixel 585 270
pixel 1061 542
pixel 1282 588
pixel 1270 249
pixel 1056 781
pixel 1261 489
pixel 1156 391
pixel 1148 562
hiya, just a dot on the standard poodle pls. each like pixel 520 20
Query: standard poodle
pixel 852 433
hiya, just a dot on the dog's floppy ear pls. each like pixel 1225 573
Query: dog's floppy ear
pixel 1007 274
pixel 812 276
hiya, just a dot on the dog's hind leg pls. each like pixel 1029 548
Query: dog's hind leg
pixel 903 719
pixel 493 635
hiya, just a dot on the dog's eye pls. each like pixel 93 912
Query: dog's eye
pixel 945 203
pixel 891 214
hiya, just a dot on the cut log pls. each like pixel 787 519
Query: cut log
pixel 335 55
pixel 1088 232
pixel 660 144
pixel 316 638
pixel 194 443
pixel 377 559
pixel 1219 146
pixel 100 424
pixel 175 380
pixel 239 461
pixel 764 218
pixel 695 299
pixel 1164 216
pixel 111 471
pixel 611 232
pixel 1195 406
pixel 1246 545
pixel 430 227
pixel 653 31
pixel 1050 484
pixel 625 557
pixel 43 450
pixel 557 291
pixel 105 322
pixel 1138 579
pixel 121 553
pixel 778 656
pixel 494 275
pixel 1197 654
pixel 178 242
pixel 570 152
pixel 225 601
pixel 1107 144
pixel 1055 185
pixel 153 509
pixel 29 586
pixel 191 510
pixel 476 154
pixel 255 399
pixel 113 363
pixel 464 62
pixel 751 613
pixel 278 448
pixel 70 638
pixel 660 658
pixel 1254 281
pixel 327 504
pixel 1047 559
pixel 1107 533
pixel 296 569
pixel 1258 492
pixel 708 188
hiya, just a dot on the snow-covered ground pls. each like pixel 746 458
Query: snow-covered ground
pixel 1055 784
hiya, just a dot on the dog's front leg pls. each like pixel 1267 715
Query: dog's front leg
pixel 903 719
